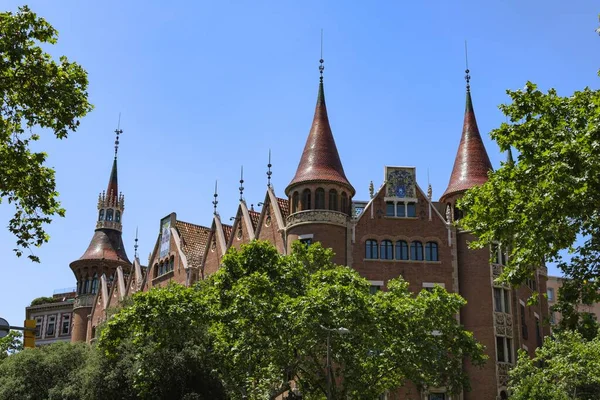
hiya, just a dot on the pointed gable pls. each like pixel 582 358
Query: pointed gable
pixel 472 164
pixel 195 239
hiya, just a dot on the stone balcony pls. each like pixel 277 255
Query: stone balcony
pixel 84 300
pixel 317 216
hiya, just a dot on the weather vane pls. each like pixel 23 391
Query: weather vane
pixel 118 131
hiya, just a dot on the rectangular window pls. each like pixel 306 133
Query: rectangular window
pixel 502 300
pixel 400 210
pixel 66 324
pixel 374 289
pixel 411 210
pixel 389 209
pixel 38 326
pixel 306 242
pixel 504 349
pixel 51 325
pixel 495 250
pixel 550 293
pixel 436 396
pixel 523 323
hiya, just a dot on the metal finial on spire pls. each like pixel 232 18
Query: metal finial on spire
pixel 269 173
pixel 467 76
pixel 242 184
pixel 135 246
pixel 321 61
pixel 371 189
pixel 118 131
pixel 215 201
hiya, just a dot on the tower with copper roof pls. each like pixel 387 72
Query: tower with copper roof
pixel 320 195
pixel 104 253
pixel 471 165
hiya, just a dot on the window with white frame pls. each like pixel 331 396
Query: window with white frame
pixel 437 396
pixel 400 209
pixel 430 285
pixel 39 321
pixel 65 325
pixel 51 326
pixel 550 294
pixel 376 286
pixel 502 300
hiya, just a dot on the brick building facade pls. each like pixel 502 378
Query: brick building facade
pixel 400 231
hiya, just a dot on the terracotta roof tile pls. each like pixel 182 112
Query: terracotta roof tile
pixel 254 217
pixel 106 244
pixel 284 206
pixel 472 163
pixel 320 159
pixel 195 239
pixel 227 231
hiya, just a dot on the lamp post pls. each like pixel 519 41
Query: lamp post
pixel 339 331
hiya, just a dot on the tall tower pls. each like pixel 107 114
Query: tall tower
pixel 320 195
pixel 104 254
pixel 471 165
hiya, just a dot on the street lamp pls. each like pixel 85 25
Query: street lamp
pixel 339 331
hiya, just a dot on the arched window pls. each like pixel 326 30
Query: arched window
pixel 78 287
pixel 401 250
pixel 344 205
pixel 109 214
pixel 95 283
pixel 333 202
pixel 295 198
pixel 416 251
pixel 172 264
pixel 457 214
pixel 156 270
pixel 118 216
pixel 101 215
pixel 306 200
pixel 371 249
pixel 387 250
pixel 431 251
pixel 319 199
pixel 86 286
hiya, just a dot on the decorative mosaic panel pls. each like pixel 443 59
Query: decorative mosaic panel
pixel 400 182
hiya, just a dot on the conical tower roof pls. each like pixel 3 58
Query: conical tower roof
pixel 472 163
pixel 320 161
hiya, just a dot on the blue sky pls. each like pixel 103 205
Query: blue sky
pixel 205 87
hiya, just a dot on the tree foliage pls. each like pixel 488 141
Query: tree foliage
pixel 155 348
pixel 548 201
pixel 47 372
pixel 566 367
pixel 36 93
pixel 10 344
pixel 270 316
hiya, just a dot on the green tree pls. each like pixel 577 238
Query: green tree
pixel 10 344
pixel 270 317
pixel 565 367
pixel 154 348
pixel 46 372
pixel 547 201
pixel 36 93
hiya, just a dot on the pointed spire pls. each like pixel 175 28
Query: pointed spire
pixel 135 246
pixel 472 164
pixel 320 159
pixel 509 157
pixel 112 191
pixel 242 184
pixel 269 172
pixel 215 201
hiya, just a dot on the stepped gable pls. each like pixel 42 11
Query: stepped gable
pixel 320 161
pixel 195 240
pixel 472 164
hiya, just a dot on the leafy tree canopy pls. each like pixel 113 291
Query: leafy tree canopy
pixel 566 367
pixel 548 201
pixel 47 372
pixel 270 317
pixel 36 93
pixel 10 344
